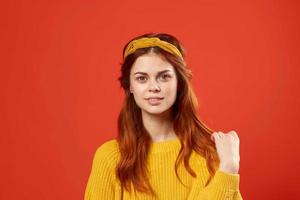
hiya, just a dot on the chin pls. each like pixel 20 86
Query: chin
pixel 155 110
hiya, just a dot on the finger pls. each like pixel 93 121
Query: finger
pixel 234 134
pixel 214 136
pixel 221 135
pixel 230 136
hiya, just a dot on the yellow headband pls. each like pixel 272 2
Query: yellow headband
pixel 150 42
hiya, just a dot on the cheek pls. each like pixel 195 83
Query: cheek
pixel 171 90
pixel 139 92
pixel 139 89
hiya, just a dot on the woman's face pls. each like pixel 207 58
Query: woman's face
pixel 153 83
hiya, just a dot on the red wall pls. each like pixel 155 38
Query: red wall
pixel 60 98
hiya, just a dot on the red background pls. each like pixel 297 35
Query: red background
pixel 60 98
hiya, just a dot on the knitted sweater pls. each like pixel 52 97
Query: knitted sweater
pixel 102 183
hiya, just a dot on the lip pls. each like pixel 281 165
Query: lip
pixel 154 100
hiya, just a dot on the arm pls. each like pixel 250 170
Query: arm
pixel 101 182
pixel 223 186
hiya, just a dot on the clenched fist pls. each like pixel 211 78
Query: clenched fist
pixel 227 146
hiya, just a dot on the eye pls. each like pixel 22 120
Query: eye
pixel 166 76
pixel 141 78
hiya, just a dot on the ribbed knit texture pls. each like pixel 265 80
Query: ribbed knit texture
pixel 103 185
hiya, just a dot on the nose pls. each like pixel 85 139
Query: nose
pixel 154 86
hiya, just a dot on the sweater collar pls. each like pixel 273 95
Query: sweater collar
pixel 165 146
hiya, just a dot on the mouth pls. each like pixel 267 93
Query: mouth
pixel 154 100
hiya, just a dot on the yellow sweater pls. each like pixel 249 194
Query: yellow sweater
pixel 103 184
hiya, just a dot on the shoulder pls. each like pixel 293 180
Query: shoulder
pixel 196 157
pixel 108 146
pixel 199 163
pixel 107 153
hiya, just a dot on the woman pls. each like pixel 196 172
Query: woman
pixel 163 150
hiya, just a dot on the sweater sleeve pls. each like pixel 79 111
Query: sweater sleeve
pixel 223 186
pixel 101 182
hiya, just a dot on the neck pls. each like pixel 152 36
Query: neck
pixel 159 126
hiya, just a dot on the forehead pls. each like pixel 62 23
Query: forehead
pixel 151 63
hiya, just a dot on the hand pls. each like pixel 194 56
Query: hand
pixel 227 146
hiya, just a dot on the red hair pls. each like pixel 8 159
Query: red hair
pixel 133 139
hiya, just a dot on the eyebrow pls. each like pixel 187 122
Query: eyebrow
pixel 144 73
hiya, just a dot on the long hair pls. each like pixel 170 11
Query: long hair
pixel 133 139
